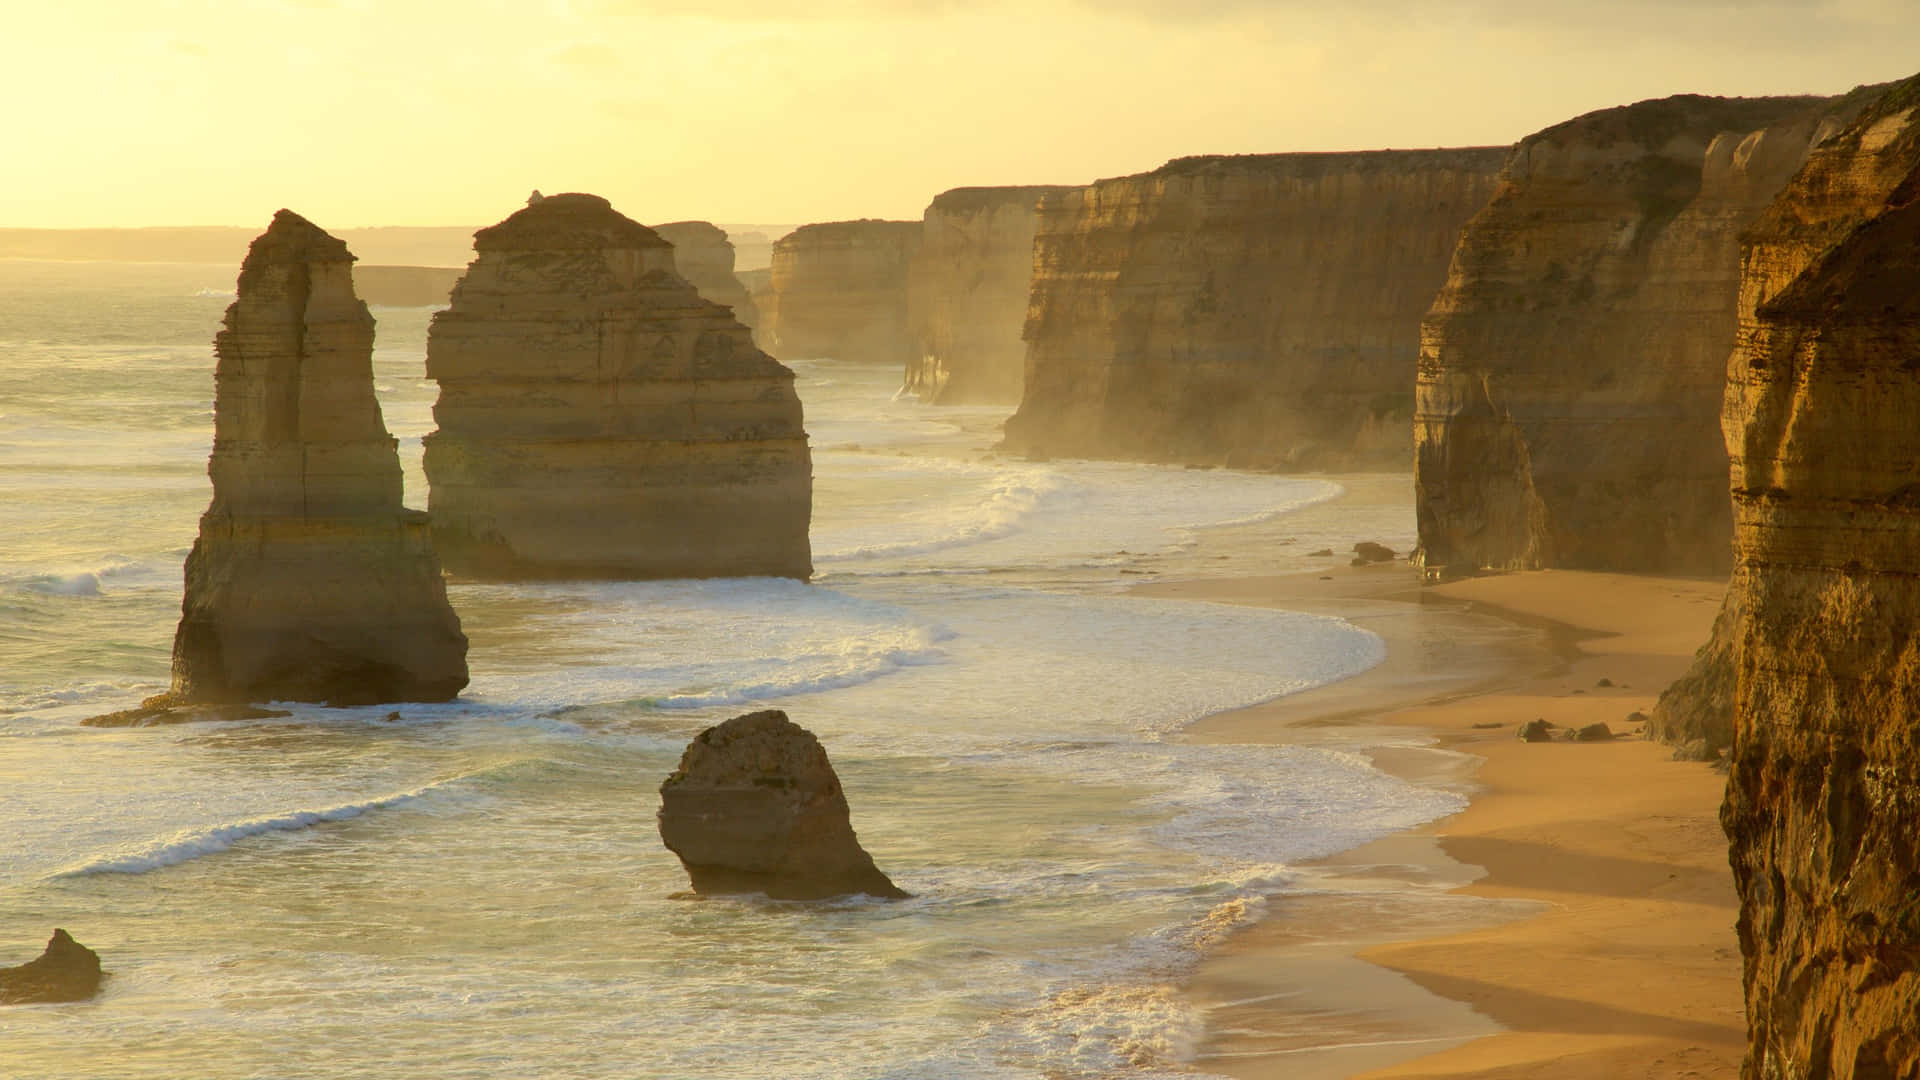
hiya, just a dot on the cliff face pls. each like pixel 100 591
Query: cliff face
pixel 1258 311
pixel 309 580
pixel 598 418
pixel 704 256
pixel 405 286
pixel 967 294
pixel 840 290
pixel 1567 409
pixel 1823 796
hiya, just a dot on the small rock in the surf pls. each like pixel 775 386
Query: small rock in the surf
pixel 66 971
pixel 1604 683
pixel 1536 730
pixel 1323 553
pixel 1366 551
pixel 1489 725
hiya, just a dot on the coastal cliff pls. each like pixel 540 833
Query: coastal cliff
pixel 1567 412
pixel 839 289
pixel 1822 797
pixel 309 581
pixel 703 255
pixel 1256 311
pixel 967 295
pixel 405 286
pixel 599 418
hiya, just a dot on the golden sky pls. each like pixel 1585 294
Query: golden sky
pixel 390 112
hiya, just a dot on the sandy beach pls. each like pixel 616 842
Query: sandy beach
pixel 1576 920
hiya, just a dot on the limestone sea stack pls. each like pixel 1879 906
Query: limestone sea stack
pixel 840 291
pixel 755 806
pixel 1570 372
pixel 703 255
pixel 1823 426
pixel 309 581
pixel 1257 311
pixel 967 295
pixel 66 971
pixel 598 418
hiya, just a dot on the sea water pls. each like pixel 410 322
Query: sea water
pixel 478 889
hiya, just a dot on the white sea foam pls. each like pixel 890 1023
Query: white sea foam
pixel 1000 511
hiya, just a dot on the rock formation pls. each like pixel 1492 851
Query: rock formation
pixel 405 286
pixel 1570 372
pixel 755 807
pixel 840 290
pixel 1257 311
pixel 967 295
pixel 309 580
pixel 704 256
pixel 1823 797
pixel 598 418
pixel 66 971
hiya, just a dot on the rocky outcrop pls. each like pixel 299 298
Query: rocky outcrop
pixel 309 581
pixel 1570 372
pixel 967 295
pixel 599 419
pixel 405 286
pixel 840 291
pixel 1823 795
pixel 704 256
pixel 1258 311
pixel 66 971
pixel 755 807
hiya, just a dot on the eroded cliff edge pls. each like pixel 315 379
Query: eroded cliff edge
pixel 309 580
pixel 598 418
pixel 839 289
pixel 967 294
pixel 1258 311
pixel 1567 411
pixel 1823 798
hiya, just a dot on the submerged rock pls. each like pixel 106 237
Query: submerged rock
pixel 162 709
pixel 755 806
pixel 309 580
pixel 66 971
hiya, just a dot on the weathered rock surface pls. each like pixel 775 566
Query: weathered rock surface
pixel 66 971
pixel 599 419
pixel 309 581
pixel 967 295
pixel 704 256
pixel 162 709
pixel 1258 311
pixel 1570 372
pixel 840 290
pixel 1823 796
pixel 405 286
pixel 755 806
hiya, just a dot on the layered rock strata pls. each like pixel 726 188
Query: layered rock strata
pixel 1570 372
pixel 967 295
pixel 309 580
pixel 840 291
pixel 598 418
pixel 755 806
pixel 1257 311
pixel 1823 796
pixel 66 971
pixel 704 256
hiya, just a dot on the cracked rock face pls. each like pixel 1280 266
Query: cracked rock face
pixel 1823 798
pixel 598 418
pixel 840 290
pixel 755 806
pixel 309 580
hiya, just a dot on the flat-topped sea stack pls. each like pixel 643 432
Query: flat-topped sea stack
pixel 598 418
pixel 1823 427
pixel 1570 373
pixel 840 291
pixel 309 581
pixel 967 295
pixel 703 255
pixel 1258 311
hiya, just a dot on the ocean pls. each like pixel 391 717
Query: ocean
pixel 478 889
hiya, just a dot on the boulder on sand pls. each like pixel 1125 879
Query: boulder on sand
pixel 66 971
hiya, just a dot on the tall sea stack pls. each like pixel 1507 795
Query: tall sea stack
pixel 703 255
pixel 1823 799
pixel 309 581
pixel 967 295
pixel 599 419
pixel 840 290
pixel 1258 311
pixel 1570 372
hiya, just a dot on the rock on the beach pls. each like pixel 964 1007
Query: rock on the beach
pixel 755 806
pixel 309 580
pixel 1593 733
pixel 1538 730
pixel 66 971
pixel 1366 551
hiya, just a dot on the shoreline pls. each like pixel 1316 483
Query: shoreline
pixel 1444 950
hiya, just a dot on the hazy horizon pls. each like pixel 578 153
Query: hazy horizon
pixel 360 115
